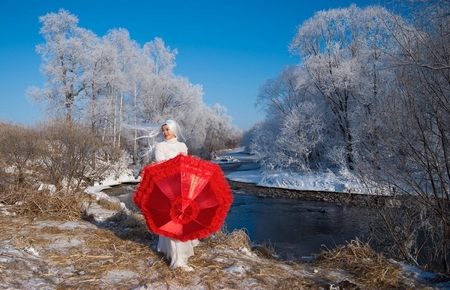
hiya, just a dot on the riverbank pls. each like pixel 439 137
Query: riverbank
pixel 345 198
pixel 109 248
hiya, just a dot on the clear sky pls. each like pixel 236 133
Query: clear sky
pixel 230 47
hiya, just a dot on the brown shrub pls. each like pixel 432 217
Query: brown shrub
pixel 18 150
pixel 71 157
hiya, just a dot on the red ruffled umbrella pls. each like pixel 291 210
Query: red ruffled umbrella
pixel 183 198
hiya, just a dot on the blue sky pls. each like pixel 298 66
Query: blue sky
pixel 230 47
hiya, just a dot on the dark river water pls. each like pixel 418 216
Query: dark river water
pixel 295 229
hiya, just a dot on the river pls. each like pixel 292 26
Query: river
pixel 295 229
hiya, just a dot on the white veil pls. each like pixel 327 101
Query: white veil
pixel 176 129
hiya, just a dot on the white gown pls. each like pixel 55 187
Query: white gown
pixel 176 251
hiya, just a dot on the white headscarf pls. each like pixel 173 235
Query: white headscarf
pixel 175 128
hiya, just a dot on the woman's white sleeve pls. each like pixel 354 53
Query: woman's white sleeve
pixel 159 155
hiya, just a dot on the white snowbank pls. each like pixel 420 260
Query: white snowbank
pixel 10 169
pixel 118 172
pixel 249 176
pixel 320 181
pixel 115 179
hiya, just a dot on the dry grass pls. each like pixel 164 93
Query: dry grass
pixel 106 252
pixel 32 203
pixel 101 251
pixel 225 250
pixel 369 268
pixel 124 243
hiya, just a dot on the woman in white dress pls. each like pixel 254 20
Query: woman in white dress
pixel 176 251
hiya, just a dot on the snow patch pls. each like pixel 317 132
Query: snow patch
pixel 119 172
pixel 96 190
pixel 236 270
pixel 75 225
pixel 10 169
pixel 36 283
pixel 31 251
pixel 48 187
pixel 64 243
pixel 233 150
pixel 4 211
pixel 8 253
pixel 98 213
pixel 247 252
pixel 113 179
pixel 116 276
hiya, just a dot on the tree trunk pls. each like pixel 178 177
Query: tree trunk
pixel 69 105
pixel 120 119
pixel 135 126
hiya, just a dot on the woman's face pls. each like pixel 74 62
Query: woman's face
pixel 167 132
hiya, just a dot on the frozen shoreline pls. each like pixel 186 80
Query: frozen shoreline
pixel 321 181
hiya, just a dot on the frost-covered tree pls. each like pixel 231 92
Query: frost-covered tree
pixel 263 143
pixel 342 50
pixel 220 134
pixel 162 56
pixel 119 87
pixel 291 102
pixel 411 154
pixel 384 82
pixel 100 72
pixel 282 94
pixel 63 61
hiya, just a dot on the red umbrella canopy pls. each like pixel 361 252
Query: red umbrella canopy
pixel 184 198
